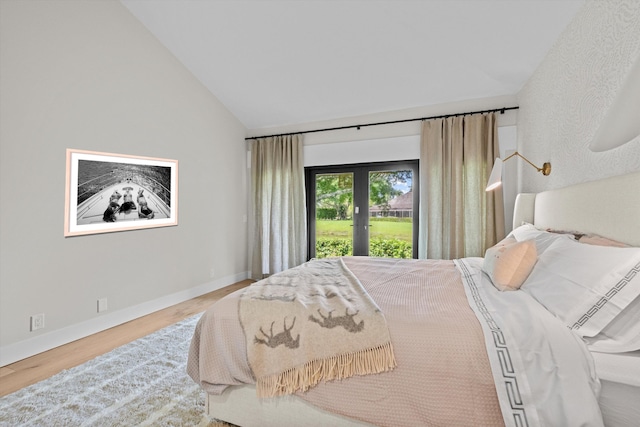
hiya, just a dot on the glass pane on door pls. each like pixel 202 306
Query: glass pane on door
pixel 334 214
pixel 391 214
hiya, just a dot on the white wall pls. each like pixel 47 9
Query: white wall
pixel 88 75
pixel 365 151
pixel 567 100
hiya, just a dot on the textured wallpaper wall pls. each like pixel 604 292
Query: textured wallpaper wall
pixel 565 102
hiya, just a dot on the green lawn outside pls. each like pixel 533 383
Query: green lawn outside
pixel 336 229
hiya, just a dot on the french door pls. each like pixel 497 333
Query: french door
pixel 363 209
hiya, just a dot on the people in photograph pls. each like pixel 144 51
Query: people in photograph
pixel 110 213
pixel 128 205
pixel 141 199
pixel 143 209
pixel 115 197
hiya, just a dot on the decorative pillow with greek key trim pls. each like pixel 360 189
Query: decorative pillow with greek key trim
pixel 586 286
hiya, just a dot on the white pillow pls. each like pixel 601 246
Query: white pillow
pixel 509 263
pixel 542 238
pixel 586 286
pixel 622 334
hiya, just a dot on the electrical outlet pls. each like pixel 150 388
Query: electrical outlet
pixel 37 321
pixel 212 272
pixel 102 305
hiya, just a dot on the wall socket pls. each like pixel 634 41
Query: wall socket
pixel 102 305
pixel 212 272
pixel 37 322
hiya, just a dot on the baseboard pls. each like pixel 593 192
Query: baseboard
pixel 21 350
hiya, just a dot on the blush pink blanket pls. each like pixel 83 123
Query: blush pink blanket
pixel 443 375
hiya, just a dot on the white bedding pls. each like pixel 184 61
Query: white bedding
pixel 609 208
pixel 543 372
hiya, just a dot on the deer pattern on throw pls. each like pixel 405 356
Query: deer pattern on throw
pixel 283 337
pixel 345 321
pixel 329 322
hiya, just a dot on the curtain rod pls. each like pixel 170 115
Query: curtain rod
pixel 444 116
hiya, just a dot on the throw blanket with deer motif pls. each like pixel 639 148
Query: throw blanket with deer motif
pixel 312 323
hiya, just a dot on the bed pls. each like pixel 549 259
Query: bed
pixel 494 356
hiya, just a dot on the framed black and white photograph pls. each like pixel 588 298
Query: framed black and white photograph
pixel 108 192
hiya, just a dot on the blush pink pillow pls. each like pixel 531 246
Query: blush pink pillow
pixel 509 263
pixel 601 241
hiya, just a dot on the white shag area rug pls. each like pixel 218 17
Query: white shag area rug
pixel 143 383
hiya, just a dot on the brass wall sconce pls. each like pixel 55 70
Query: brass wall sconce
pixel 495 179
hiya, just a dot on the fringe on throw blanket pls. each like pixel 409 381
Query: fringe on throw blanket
pixel 371 361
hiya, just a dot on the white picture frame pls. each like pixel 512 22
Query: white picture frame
pixel 107 192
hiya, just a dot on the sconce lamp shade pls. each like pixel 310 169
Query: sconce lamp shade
pixel 495 179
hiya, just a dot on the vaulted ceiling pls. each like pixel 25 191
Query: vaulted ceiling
pixel 275 63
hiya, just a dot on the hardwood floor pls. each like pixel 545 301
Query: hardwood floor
pixel 29 371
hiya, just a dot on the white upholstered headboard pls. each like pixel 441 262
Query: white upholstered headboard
pixel 608 207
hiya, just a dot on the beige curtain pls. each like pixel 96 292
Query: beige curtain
pixel 279 205
pixel 457 217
